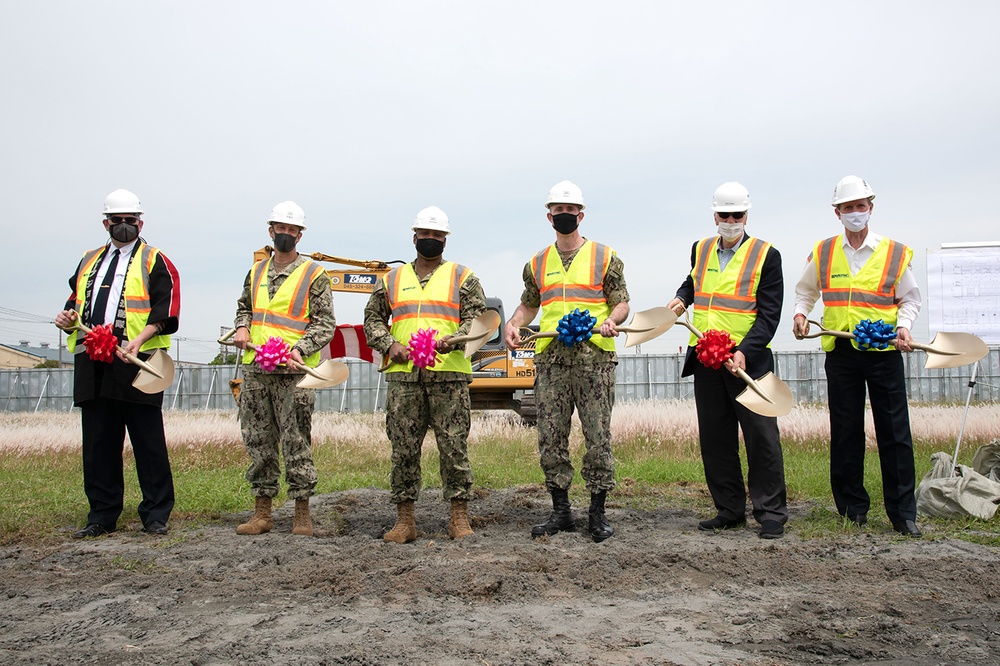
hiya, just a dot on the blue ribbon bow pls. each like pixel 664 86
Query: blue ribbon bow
pixel 873 334
pixel 575 327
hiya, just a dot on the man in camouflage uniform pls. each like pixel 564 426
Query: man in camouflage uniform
pixel 428 293
pixel 275 415
pixel 573 273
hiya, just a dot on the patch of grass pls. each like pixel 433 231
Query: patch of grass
pixel 135 564
pixel 658 466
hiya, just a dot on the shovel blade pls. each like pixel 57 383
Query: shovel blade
pixel 954 350
pixel 649 324
pixel 147 382
pixel 327 374
pixel 482 329
pixel 780 395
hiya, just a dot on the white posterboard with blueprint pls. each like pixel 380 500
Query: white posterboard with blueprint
pixel 963 289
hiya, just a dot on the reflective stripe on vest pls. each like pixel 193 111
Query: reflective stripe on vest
pixel 436 305
pixel 727 299
pixel 136 292
pixel 870 294
pixel 582 286
pixel 286 316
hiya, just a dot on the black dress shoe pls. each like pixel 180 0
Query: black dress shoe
pixel 908 528
pixel 155 527
pixel 771 529
pixel 858 519
pixel 720 523
pixel 92 530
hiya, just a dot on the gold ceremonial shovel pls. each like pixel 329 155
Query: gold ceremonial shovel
pixel 645 325
pixel 327 374
pixel 946 350
pixel 767 395
pixel 482 328
pixel 155 373
pixel 479 333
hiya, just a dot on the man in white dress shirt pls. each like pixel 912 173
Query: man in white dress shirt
pixel 862 275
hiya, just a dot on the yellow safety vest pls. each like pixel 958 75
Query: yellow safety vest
pixel 870 294
pixel 726 300
pixel 582 286
pixel 435 305
pixel 288 313
pixel 137 301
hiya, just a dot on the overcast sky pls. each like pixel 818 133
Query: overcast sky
pixel 364 113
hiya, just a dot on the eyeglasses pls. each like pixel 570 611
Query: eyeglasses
pixel 736 216
pixel 118 219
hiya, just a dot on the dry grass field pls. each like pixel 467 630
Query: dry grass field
pixel 663 422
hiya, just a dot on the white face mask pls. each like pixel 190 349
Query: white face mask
pixel 731 231
pixel 855 221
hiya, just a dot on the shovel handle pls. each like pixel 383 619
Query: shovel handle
pixel 930 349
pixel 686 323
pixel 226 340
pixel 750 381
pixel 527 335
pixel 847 335
pixel 132 358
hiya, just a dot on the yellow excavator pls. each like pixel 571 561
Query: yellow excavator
pixel 501 379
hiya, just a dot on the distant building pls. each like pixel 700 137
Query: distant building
pixel 25 356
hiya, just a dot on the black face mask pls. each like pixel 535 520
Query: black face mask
pixel 565 223
pixel 284 242
pixel 123 232
pixel 431 248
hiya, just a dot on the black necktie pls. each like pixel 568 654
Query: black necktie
pixel 101 302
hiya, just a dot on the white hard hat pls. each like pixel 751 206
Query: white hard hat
pixel 122 201
pixel 730 198
pixel 432 218
pixel 852 188
pixel 288 212
pixel 565 192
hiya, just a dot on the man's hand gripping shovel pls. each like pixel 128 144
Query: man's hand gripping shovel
pixel 327 374
pixel 155 373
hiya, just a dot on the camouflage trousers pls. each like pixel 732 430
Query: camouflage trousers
pixel 276 418
pixel 591 389
pixel 412 408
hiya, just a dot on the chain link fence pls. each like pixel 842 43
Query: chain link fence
pixel 639 377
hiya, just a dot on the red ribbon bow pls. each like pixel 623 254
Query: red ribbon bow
pixel 714 349
pixel 101 343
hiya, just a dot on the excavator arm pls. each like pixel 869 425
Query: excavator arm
pixel 362 279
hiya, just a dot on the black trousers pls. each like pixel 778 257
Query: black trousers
pixel 719 415
pixel 104 424
pixel 848 372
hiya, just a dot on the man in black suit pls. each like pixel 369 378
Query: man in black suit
pixel 736 285
pixel 134 288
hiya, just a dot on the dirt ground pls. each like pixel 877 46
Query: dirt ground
pixel 660 592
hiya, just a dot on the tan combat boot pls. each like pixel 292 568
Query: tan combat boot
pixel 302 524
pixel 405 529
pixel 459 526
pixel 261 520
